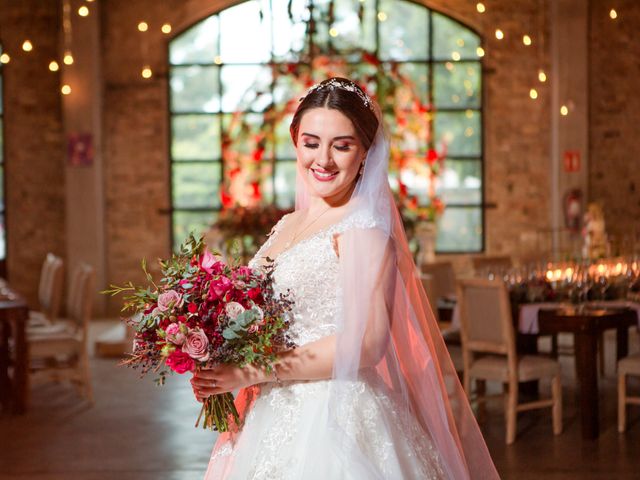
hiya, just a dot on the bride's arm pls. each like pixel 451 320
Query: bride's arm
pixel 315 360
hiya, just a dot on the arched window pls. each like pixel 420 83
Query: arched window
pixel 3 237
pixel 249 58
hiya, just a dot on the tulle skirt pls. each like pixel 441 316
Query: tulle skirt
pixel 286 436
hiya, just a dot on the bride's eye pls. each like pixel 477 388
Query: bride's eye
pixel 343 148
pixel 311 145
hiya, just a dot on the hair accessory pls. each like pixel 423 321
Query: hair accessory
pixel 347 85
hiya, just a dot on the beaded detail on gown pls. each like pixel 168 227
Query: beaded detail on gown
pixel 283 432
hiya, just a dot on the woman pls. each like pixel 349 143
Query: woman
pixel 369 392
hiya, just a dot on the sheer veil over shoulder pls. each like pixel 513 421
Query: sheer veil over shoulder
pixel 385 328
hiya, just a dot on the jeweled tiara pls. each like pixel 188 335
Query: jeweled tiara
pixel 343 85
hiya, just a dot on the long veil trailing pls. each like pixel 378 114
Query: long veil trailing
pixel 386 324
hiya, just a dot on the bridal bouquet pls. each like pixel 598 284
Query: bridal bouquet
pixel 205 312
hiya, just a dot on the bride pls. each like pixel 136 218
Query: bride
pixel 369 392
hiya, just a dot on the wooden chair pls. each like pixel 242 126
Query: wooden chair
pixel 489 352
pixel 444 279
pixel 49 292
pixel 496 263
pixel 60 351
pixel 627 366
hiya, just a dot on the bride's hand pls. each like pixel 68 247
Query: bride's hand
pixel 224 378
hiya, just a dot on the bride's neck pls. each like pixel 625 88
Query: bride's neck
pixel 319 204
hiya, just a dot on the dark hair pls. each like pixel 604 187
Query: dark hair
pixel 349 103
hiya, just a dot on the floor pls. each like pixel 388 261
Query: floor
pixel 139 431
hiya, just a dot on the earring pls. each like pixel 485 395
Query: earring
pixel 361 169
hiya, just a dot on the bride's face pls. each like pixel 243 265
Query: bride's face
pixel 329 153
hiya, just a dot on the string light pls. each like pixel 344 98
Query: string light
pixel 166 28
pixel 27 46
pixel 564 111
pixel 499 34
pixel 333 32
pixel 53 66
pixel 217 60
pixel 460 42
pixel 5 58
pixel 533 93
pixel 65 89
pixel 455 56
pixel 480 52
pixel 146 72
pixel 526 39
pixel 382 16
pixel 542 76
pixel 143 26
pixel 68 58
pixel 480 7
pixel 613 14
pixel 83 11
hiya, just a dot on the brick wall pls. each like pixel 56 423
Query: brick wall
pixel 614 102
pixel 34 147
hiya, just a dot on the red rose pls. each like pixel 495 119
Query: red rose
pixel 193 308
pixel 254 293
pixel 180 362
pixel 182 318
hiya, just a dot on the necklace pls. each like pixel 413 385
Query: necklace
pixel 296 234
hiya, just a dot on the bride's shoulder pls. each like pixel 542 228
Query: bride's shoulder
pixel 360 219
pixel 280 223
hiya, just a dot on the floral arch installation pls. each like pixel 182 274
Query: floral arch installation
pixel 232 97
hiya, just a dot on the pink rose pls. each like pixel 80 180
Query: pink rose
pixel 168 300
pixel 174 335
pixel 233 309
pixel 207 261
pixel 180 362
pixel 253 328
pixel 197 345
pixel 219 286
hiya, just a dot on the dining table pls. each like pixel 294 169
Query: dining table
pixel 14 314
pixel 586 322
pixel 587 325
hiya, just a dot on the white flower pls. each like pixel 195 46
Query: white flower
pixel 233 309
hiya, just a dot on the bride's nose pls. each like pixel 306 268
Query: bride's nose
pixel 323 159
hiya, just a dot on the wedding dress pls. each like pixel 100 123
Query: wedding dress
pixel 285 426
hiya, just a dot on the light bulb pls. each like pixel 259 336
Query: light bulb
pixel 480 7
pixel 526 39
pixel 613 14
pixel 499 34
pixel 27 46
pixel 166 28
pixel 5 58
pixel 65 89
pixel 542 76
pixel 455 56
pixel 564 111
pixel 68 58
pixel 480 52
pixel 53 66
pixel 146 72
pixel 83 11
pixel 382 16
pixel 533 93
pixel 143 26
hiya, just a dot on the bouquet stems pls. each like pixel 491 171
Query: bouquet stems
pixel 218 411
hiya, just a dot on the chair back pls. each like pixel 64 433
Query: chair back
pixel 444 278
pixel 50 287
pixel 495 264
pixel 429 288
pixel 80 298
pixel 485 317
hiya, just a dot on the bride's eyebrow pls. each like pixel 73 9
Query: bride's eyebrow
pixel 340 137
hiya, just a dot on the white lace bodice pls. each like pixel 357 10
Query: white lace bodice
pixel 309 270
